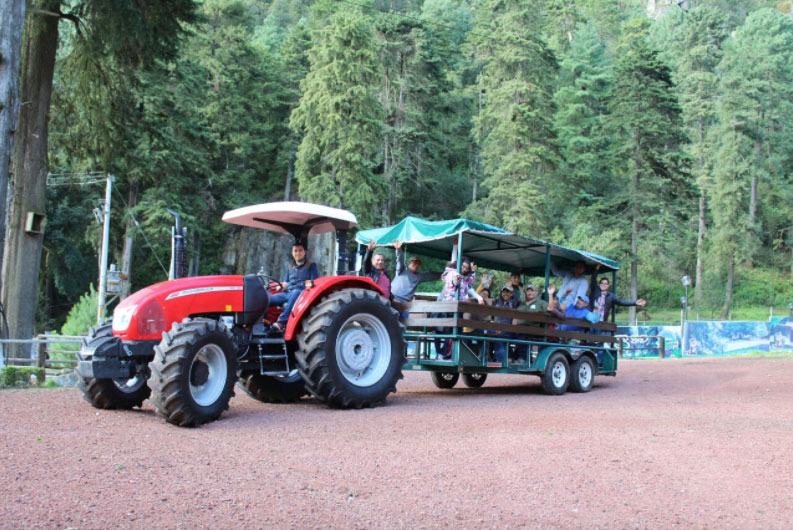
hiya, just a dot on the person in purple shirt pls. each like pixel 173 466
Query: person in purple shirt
pixel 374 267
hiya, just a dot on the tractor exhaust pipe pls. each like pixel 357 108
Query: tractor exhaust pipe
pixel 178 248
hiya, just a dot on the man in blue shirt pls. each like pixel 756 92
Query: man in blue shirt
pixel 579 310
pixel 293 285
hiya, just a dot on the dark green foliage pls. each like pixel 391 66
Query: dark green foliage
pixel 583 122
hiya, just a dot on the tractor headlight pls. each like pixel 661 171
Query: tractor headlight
pixel 122 317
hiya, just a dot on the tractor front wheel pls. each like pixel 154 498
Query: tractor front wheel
pixel 351 350
pixel 123 394
pixel 193 372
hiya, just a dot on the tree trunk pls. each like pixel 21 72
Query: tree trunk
pixel 129 242
pixel 290 173
pixel 725 310
pixel 700 243
pixel 634 288
pixel 29 178
pixel 12 22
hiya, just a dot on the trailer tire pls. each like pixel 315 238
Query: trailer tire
pixel 351 349
pixel 193 372
pixel 274 389
pixel 582 374
pixel 557 374
pixel 445 379
pixel 474 380
pixel 111 394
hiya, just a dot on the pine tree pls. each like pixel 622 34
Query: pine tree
pixel 341 119
pixel 755 112
pixel 514 128
pixel 697 50
pixel 650 166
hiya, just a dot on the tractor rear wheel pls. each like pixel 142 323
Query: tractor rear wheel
pixel 351 350
pixel 123 394
pixel 193 372
pixel 274 389
pixel 445 379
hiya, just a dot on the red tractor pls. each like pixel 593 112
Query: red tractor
pixel 184 343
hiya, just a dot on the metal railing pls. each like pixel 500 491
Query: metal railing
pixel 627 339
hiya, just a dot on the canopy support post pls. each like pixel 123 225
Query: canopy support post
pixel 547 269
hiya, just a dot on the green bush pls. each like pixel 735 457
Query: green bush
pixel 19 376
pixel 81 317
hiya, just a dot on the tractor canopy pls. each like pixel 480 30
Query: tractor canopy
pixel 296 218
pixel 486 245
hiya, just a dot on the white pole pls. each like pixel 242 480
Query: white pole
pixel 100 314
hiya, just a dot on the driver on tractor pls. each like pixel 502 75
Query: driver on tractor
pixel 293 285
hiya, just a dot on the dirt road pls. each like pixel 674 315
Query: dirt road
pixel 683 443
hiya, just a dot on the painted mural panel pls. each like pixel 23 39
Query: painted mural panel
pixel 725 338
pixel 648 347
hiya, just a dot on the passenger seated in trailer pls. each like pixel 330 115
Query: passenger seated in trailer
pixel 403 288
pixel 579 310
pixel 532 303
pixel 456 286
pixel 505 301
pixel 373 267
pixel 574 284
pixel 293 285
pixel 602 299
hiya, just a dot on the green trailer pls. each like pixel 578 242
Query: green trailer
pixel 561 358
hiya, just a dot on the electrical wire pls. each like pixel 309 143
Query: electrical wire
pixel 142 232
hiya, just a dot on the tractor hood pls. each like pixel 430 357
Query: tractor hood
pixel 149 312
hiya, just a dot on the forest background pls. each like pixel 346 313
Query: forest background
pixel 659 135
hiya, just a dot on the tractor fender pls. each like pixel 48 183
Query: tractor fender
pixel 322 287
pixel 571 352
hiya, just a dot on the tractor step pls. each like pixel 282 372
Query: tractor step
pixel 273 360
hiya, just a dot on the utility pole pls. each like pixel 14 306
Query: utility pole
pixel 100 314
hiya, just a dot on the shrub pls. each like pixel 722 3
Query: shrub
pixel 19 376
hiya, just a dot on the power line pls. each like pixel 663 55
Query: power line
pixel 142 232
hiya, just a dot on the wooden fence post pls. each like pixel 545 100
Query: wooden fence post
pixel 42 360
pixel 661 347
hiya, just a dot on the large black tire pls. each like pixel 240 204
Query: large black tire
pixel 582 374
pixel 445 379
pixel 474 380
pixel 351 349
pixel 557 375
pixel 193 372
pixel 111 393
pixel 271 389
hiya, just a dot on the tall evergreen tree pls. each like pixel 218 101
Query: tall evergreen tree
pixel 133 35
pixel 650 166
pixel 697 51
pixel 514 127
pixel 341 119
pixel 756 110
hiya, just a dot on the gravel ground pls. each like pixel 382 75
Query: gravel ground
pixel 684 443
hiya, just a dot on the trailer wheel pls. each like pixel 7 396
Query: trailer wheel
pixel 557 375
pixel 445 379
pixel 474 380
pixel 351 349
pixel 274 389
pixel 122 394
pixel 193 372
pixel 582 374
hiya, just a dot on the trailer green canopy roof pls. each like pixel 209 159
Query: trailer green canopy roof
pixel 484 244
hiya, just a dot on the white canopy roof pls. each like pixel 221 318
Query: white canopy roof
pixel 292 217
